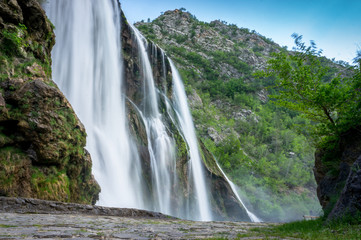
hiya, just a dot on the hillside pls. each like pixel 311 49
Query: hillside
pixel 263 148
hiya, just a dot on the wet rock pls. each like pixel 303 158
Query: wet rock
pixel 42 141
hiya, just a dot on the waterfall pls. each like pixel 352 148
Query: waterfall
pixel 251 215
pixel 160 144
pixel 87 66
pixel 187 128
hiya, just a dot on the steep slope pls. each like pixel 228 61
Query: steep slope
pixel 254 141
pixel 42 141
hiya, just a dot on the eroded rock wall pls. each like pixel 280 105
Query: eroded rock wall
pixel 337 175
pixel 42 141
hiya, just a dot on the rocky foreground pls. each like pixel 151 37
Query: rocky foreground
pixel 30 218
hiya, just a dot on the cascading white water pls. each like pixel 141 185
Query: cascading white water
pixel 87 66
pixel 160 145
pixel 251 215
pixel 187 128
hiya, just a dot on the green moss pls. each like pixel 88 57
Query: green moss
pixel 14 41
pixel 52 185
pixel 209 160
pixel 7 226
pixel 182 148
pixel 11 160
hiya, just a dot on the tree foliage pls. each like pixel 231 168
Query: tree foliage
pixel 308 85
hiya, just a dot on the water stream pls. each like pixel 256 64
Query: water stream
pixel 251 215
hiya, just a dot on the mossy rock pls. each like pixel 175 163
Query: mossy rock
pixel 41 139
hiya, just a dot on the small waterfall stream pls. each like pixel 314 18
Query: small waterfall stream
pixel 187 128
pixel 251 215
pixel 160 144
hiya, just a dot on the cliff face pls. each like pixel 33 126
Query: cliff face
pixel 337 172
pixel 224 203
pixel 42 141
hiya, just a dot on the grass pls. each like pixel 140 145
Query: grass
pixel 7 226
pixel 312 229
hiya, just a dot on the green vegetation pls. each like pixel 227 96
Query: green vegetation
pixel 14 40
pixel 7 226
pixel 262 146
pixel 53 186
pixel 313 229
pixel 268 161
pixel 331 101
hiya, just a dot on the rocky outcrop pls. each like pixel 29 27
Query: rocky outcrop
pixel 29 205
pixel 349 203
pixel 226 204
pixel 42 141
pixel 337 175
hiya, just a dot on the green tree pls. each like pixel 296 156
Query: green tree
pixel 307 84
pixel 357 59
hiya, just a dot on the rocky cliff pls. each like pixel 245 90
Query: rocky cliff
pixel 42 141
pixel 337 172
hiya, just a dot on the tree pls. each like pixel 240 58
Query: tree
pixel 307 84
pixel 357 59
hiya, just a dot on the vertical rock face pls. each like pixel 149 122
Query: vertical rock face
pixel 42 141
pixel 338 176
pixel 349 202
pixel 223 201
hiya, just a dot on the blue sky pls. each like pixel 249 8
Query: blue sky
pixel 335 25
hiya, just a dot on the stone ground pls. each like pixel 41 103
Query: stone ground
pixel 70 226
pixel 27 218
